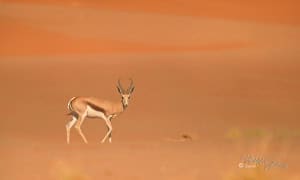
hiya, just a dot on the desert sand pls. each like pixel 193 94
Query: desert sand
pixel 213 84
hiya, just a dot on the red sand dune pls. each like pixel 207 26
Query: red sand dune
pixel 223 74
pixel 266 11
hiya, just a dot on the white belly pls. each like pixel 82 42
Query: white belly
pixel 93 113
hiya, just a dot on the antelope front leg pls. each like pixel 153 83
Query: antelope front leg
pixel 109 136
pixel 108 124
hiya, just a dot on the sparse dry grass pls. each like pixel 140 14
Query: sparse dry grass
pixel 64 171
pixel 236 133
pixel 250 174
pixel 263 142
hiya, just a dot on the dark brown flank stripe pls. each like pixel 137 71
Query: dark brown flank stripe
pixel 96 108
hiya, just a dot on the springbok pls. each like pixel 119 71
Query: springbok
pixel 82 107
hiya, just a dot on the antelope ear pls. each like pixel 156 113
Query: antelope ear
pixel 119 90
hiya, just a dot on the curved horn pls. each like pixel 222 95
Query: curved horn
pixel 131 86
pixel 120 86
pixel 131 83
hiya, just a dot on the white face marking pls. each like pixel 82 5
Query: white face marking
pixel 93 113
pixel 125 99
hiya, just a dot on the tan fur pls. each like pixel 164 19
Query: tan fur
pixel 80 104
pixel 82 107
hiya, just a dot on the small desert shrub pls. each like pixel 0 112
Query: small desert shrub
pixel 259 133
pixel 234 134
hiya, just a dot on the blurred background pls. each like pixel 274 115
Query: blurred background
pixel 225 73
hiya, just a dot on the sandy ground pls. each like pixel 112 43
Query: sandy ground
pixel 232 85
pixel 227 112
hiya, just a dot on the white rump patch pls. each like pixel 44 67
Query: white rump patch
pixel 69 103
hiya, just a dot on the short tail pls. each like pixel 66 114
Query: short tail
pixel 72 113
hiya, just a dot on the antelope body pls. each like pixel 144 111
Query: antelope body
pixel 82 107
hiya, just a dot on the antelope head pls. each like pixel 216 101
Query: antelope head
pixel 125 94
